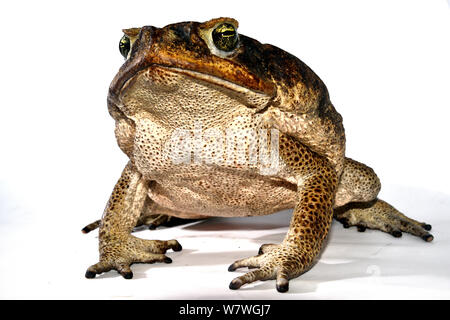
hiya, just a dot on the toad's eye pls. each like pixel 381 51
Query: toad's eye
pixel 124 46
pixel 225 37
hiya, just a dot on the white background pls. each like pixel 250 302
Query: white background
pixel 386 65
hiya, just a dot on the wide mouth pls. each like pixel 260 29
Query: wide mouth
pixel 249 96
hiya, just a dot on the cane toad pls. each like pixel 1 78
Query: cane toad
pixel 215 123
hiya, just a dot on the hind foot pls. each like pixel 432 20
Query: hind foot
pixel 380 215
pixel 152 221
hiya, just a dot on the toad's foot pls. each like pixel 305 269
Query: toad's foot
pixel 91 226
pixel 156 220
pixel 281 262
pixel 152 221
pixel 381 216
pixel 163 220
pixel 120 254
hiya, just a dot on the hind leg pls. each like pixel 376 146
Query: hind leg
pixel 357 205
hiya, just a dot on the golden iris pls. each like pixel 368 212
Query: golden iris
pixel 225 37
pixel 124 46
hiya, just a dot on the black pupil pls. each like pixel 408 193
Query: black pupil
pixel 124 46
pixel 225 37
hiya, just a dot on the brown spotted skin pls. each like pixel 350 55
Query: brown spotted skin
pixel 291 87
pixel 118 248
pixel 175 78
pixel 309 226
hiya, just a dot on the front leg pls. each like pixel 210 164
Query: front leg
pixel 309 226
pixel 118 248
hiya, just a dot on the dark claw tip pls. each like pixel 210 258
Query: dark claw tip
pixel 235 284
pixel 260 251
pixel 151 227
pixel 178 247
pixel 231 268
pixel 90 274
pixel 428 237
pixel 397 233
pixel 283 287
pixel 344 223
pixel 167 260
pixel 85 230
pixel 361 228
pixel 427 226
pixel 127 275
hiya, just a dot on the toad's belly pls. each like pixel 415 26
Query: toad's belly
pixel 236 172
pixel 219 192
